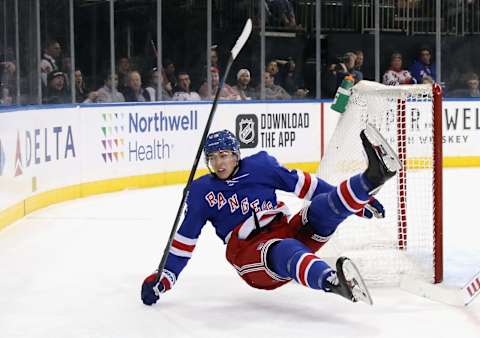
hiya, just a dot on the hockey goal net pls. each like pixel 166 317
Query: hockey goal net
pixel 408 241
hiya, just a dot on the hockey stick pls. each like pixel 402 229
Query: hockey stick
pixel 242 39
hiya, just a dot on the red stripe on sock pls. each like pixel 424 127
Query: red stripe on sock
pixel 347 196
pixel 306 185
pixel 303 266
pixel 181 246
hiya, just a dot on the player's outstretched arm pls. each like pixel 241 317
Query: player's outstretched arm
pixel 181 249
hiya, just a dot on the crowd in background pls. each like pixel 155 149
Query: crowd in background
pixel 281 77
pixel 421 71
pixel 131 84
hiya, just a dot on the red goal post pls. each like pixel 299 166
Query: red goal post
pixel 408 241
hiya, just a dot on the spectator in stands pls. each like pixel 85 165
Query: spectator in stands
pixel 135 92
pixel 169 69
pixel 291 81
pixel 214 58
pixel 274 69
pixel 282 13
pixel 243 87
pixel 359 58
pixel 273 91
pixel 423 65
pixel 396 75
pixel 8 69
pixel 152 88
pixel 81 92
pixel 347 67
pixel 7 79
pixel 56 91
pixel 50 58
pixel 330 84
pixel 227 92
pixel 5 97
pixel 183 91
pixel 471 89
pixel 167 85
pixel 109 92
pixel 123 69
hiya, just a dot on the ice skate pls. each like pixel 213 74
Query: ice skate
pixel 383 162
pixel 348 283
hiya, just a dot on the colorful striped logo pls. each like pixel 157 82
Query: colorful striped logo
pixel 112 140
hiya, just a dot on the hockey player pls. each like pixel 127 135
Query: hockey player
pixel 266 246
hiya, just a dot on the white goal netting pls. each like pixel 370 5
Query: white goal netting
pixel 405 241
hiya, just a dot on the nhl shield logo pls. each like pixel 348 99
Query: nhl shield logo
pixel 247 130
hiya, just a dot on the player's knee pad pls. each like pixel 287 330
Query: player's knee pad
pixel 321 220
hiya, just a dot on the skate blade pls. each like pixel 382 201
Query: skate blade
pixel 389 156
pixel 359 288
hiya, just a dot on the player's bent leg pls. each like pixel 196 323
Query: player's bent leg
pixel 249 256
pixel 251 265
pixel 289 258
pixel 328 210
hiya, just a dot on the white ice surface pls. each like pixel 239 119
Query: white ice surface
pixel 75 270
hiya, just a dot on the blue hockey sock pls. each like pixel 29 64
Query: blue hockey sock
pixel 291 258
pixel 328 210
pixel 350 196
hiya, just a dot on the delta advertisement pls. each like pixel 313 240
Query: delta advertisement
pixel 39 150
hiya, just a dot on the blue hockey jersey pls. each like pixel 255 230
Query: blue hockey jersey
pixel 228 203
